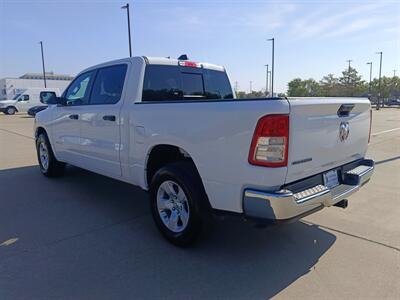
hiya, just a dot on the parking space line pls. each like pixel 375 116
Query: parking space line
pixel 353 235
pixel 12 132
pixel 386 131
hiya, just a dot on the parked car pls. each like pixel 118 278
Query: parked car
pixel 24 101
pixel 391 102
pixel 34 110
pixel 175 129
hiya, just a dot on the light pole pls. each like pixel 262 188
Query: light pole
pixel 266 81
pixel 44 71
pixel 273 66
pixel 126 6
pixel 380 80
pixel 370 77
pixel 269 77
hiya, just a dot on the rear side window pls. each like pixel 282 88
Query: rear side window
pixel 108 85
pixel 174 83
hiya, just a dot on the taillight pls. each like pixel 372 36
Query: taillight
pixel 370 125
pixel 189 64
pixel 270 143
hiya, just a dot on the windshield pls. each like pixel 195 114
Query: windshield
pixel 16 96
pixel 173 83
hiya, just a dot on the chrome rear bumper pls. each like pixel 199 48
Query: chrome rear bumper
pixel 285 204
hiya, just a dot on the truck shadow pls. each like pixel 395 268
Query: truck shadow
pixel 88 236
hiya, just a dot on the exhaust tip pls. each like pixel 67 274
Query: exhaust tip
pixel 342 204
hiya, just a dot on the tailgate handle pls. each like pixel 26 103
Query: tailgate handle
pixel 344 110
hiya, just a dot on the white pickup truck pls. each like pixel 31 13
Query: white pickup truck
pixel 174 128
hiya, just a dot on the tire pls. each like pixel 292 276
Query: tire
pixel 48 164
pixel 180 221
pixel 10 110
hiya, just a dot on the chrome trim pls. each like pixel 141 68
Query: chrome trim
pixel 284 204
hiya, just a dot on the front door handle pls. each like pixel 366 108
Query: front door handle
pixel 74 117
pixel 109 118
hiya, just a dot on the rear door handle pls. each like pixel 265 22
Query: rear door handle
pixel 109 118
pixel 74 117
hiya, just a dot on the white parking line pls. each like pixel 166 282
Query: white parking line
pixel 386 131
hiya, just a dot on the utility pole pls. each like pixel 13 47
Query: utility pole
pixel 370 77
pixel 273 65
pixel 236 86
pixel 349 61
pixel 394 73
pixel 270 78
pixel 44 70
pixel 266 81
pixel 126 6
pixel 380 81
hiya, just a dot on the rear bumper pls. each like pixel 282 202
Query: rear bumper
pixel 300 199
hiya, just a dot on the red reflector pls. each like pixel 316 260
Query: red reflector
pixel 270 143
pixel 188 64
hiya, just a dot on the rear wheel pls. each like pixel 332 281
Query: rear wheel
pixel 48 164
pixel 10 110
pixel 179 204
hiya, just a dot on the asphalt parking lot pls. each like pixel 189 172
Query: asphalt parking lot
pixel 84 236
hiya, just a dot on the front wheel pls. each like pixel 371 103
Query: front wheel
pixel 10 110
pixel 49 165
pixel 179 204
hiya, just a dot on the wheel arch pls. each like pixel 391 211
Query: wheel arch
pixel 163 154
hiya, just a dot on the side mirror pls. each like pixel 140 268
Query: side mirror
pixel 48 98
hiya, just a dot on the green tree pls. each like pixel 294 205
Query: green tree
pixel 303 88
pixel 329 86
pixel 351 83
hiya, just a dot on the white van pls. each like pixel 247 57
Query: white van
pixel 25 100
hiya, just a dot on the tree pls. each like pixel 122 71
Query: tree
pixel 329 86
pixel 303 88
pixel 351 82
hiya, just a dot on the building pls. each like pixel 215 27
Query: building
pixel 9 87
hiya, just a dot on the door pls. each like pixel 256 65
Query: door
pixel 100 122
pixel 66 127
pixel 24 102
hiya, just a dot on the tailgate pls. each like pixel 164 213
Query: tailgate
pixel 326 133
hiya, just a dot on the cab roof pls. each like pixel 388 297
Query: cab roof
pixel 157 61
pixel 176 62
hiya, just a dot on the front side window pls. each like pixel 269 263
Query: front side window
pixel 107 88
pixel 78 92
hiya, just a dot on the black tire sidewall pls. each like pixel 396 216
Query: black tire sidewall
pixel 191 186
pixel 55 167
pixel 12 109
pixel 43 138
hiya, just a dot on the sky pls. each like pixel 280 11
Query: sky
pixel 312 38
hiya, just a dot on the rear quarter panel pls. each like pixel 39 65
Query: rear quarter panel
pixel 217 135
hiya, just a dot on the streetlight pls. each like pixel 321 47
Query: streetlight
pixel 126 6
pixel 266 81
pixel 44 71
pixel 273 67
pixel 380 80
pixel 370 76
pixel 269 76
